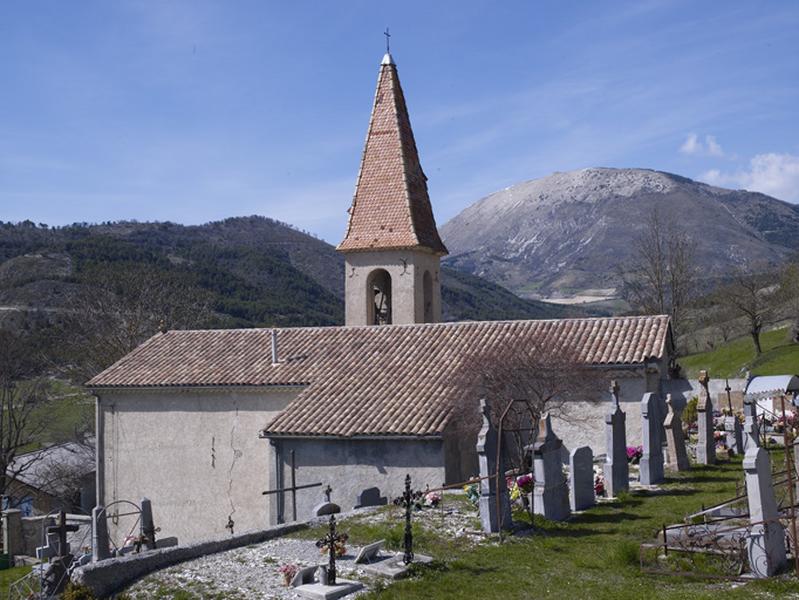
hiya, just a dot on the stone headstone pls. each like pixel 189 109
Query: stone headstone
pixel 616 468
pixel 581 478
pixel 678 455
pixel 751 428
pixel 706 448
pixel 766 542
pixel 147 524
pixel 734 434
pixel 304 576
pixel 51 549
pixel 326 508
pixel 371 497
pixel 651 464
pixel 487 441
pixel 100 542
pixel 550 491
pixel 370 552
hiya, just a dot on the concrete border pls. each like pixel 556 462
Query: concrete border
pixel 112 575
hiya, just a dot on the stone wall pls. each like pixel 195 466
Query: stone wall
pixel 195 453
pixel 351 466
pixel 110 576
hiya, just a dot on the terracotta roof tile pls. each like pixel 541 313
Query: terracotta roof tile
pixel 385 380
pixel 391 207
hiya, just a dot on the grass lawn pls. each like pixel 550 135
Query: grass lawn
pixel 732 359
pixel 9 576
pixel 595 555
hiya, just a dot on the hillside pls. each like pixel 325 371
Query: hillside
pixel 737 356
pixel 566 234
pixel 249 271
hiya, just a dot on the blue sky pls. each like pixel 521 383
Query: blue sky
pixel 198 110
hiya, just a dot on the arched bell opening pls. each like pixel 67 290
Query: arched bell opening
pixel 427 295
pixel 378 289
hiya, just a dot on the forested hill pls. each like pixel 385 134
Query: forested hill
pixel 240 272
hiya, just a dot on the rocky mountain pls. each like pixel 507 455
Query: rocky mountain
pixel 250 271
pixel 566 234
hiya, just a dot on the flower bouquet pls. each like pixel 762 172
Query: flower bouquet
pixel 289 570
pixel 634 454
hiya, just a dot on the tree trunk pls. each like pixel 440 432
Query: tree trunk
pixel 756 341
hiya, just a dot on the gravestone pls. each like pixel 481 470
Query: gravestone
pixel 765 544
pixel 616 468
pixel 734 434
pixel 100 542
pixel 581 478
pixel 147 524
pixel 751 428
pixel 550 490
pixel 304 576
pixel 678 455
pixel 651 464
pixel 706 448
pixel 371 497
pixel 370 552
pixel 11 525
pixel 327 507
pixel 487 441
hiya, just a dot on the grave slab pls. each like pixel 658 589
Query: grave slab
pixel 370 553
pixel 317 591
pixel 393 567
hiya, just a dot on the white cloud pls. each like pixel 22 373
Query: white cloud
pixel 773 174
pixel 691 145
pixel 694 146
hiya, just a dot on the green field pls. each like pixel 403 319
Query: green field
pixel 9 576
pixel 734 358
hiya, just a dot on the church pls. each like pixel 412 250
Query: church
pixel 202 422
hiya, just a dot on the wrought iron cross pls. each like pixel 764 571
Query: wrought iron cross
pixel 409 500
pixel 328 491
pixel 62 529
pixel 331 540
pixel 728 389
pixel 388 35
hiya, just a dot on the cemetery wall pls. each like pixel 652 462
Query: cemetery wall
pixel 194 452
pixel 350 466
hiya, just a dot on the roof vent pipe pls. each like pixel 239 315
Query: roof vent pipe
pixel 274 347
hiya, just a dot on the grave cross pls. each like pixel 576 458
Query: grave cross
pixel 62 529
pixel 728 389
pixel 294 488
pixel 328 491
pixel 331 540
pixel 410 499
pixel 614 392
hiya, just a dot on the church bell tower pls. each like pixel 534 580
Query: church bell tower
pixel 392 248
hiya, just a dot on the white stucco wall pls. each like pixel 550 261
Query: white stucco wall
pixel 195 453
pixel 350 466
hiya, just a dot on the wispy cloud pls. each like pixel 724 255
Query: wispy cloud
pixel 773 174
pixel 695 146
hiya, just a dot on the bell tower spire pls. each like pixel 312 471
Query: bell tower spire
pixel 392 246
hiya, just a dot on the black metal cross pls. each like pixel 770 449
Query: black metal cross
pixel 409 500
pixel 293 489
pixel 388 35
pixel 328 491
pixel 62 529
pixel 331 540
pixel 728 389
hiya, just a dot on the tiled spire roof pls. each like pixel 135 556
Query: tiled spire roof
pixel 391 208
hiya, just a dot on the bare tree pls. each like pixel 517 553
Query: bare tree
pixel 23 400
pixel 523 382
pixel 662 275
pixel 121 310
pixel 752 297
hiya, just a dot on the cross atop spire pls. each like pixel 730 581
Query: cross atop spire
pixel 388 36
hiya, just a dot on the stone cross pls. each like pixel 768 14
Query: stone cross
pixel 706 448
pixel 487 441
pixel 765 544
pixel 550 490
pixel 651 465
pixel 616 469
pixel 581 478
pixel 678 456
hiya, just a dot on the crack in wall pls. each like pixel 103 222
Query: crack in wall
pixel 237 453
